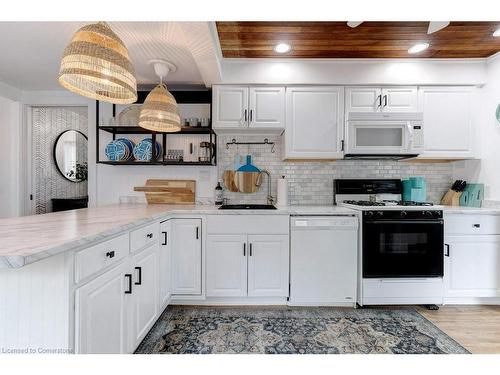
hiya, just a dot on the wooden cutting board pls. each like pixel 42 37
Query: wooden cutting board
pixel 169 191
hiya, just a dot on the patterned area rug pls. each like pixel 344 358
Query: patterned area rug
pixel 283 330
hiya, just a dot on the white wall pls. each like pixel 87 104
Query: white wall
pixel 487 170
pixel 9 157
pixel 354 71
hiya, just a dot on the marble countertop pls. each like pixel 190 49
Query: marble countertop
pixel 27 239
pixel 471 210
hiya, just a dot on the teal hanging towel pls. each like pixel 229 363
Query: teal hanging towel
pixel 248 167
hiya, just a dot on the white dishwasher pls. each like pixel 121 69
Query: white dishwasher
pixel 323 260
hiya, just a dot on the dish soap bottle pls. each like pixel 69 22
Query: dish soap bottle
pixel 218 194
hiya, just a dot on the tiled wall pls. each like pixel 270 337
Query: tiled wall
pixel 312 182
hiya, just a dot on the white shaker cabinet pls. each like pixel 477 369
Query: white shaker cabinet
pixel 145 296
pixel 226 265
pixel 165 263
pixel 230 107
pixel 268 265
pixel 448 122
pixel 314 122
pixel 248 109
pixel 381 99
pixel 472 259
pixel 186 256
pixel 101 319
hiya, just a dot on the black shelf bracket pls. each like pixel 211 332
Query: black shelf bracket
pixel 265 142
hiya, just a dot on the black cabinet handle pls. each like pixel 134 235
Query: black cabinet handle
pixel 342 145
pixel 129 276
pixel 477 225
pixel 447 253
pixel 149 235
pixel 110 254
pixel 250 249
pixel 244 249
pixel 385 100
pixel 197 233
pixel 380 100
pixel 165 238
pixel 245 115
pixel 251 115
pixel 139 282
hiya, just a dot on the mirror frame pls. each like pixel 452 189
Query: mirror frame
pixel 54 152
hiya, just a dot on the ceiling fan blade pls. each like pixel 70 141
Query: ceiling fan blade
pixel 354 24
pixel 436 26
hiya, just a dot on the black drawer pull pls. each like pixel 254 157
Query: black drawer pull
pixel 244 249
pixel 139 282
pixel 476 225
pixel 149 235
pixel 110 254
pixel 197 233
pixel 165 238
pixel 447 253
pixel 250 249
pixel 129 276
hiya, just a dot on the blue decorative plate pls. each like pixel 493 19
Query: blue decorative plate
pixel 116 150
pixel 129 147
pixel 143 150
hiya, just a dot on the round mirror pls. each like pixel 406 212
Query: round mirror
pixel 70 155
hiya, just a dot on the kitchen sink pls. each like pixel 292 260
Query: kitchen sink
pixel 247 207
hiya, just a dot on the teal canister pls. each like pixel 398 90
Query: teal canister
pixel 406 190
pixel 418 189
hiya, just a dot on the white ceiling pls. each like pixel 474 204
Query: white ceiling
pixel 31 51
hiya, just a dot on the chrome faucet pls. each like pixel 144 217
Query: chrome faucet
pixel 270 198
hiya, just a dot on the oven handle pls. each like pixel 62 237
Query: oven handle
pixel 441 221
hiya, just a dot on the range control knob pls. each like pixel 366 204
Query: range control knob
pixel 380 213
pixel 403 214
pixel 428 213
pixel 369 213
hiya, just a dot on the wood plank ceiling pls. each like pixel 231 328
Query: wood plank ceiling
pixel 368 40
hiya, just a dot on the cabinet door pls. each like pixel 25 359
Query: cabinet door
pixel 165 263
pixel 399 99
pixel 363 99
pixel 227 265
pixel 267 107
pixel 268 265
pixel 230 107
pixel 448 118
pixel 145 301
pixel 314 123
pixel 101 314
pixel 186 256
pixel 472 268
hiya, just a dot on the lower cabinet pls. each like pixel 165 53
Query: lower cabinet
pixel 165 262
pixel 114 311
pixel 101 319
pixel 242 265
pixel 145 296
pixel 472 267
pixel 186 256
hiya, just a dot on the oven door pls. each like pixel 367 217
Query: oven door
pixel 378 137
pixel 403 248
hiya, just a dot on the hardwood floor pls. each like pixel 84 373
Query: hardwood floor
pixel 477 328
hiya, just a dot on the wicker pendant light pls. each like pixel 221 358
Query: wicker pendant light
pixel 159 112
pixel 96 65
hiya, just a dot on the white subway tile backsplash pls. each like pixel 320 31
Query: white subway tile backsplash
pixel 312 182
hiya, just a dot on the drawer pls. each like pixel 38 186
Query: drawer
pixel 465 224
pixel 144 236
pixel 247 224
pixel 100 256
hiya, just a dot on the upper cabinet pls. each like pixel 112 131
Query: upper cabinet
pixel 239 109
pixel 448 118
pixel 381 99
pixel 314 122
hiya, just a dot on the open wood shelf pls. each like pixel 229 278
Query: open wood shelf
pixel 203 96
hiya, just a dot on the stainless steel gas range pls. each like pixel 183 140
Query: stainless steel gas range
pixel 401 243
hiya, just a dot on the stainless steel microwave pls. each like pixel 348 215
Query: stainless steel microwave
pixel 384 135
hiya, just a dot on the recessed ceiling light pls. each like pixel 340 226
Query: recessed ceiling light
pixel 282 48
pixel 418 48
pixel 497 32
